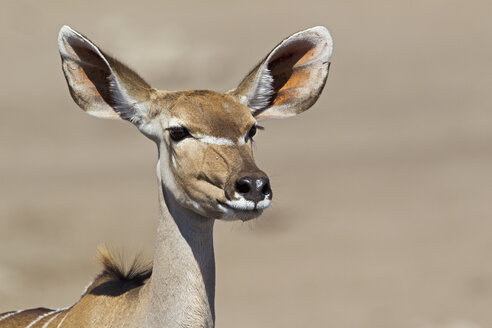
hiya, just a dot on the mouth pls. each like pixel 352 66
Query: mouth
pixel 243 209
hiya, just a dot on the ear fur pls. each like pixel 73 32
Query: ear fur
pixel 290 78
pixel 99 84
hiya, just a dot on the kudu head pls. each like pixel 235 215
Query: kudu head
pixel 204 137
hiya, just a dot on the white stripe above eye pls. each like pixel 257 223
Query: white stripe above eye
pixel 215 140
pixel 174 123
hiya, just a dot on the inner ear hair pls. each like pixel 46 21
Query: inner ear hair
pixel 100 84
pixel 264 92
pixel 290 78
pixel 277 73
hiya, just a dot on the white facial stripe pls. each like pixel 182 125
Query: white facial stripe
pixel 215 140
pixel 241 140
pixel 174 123
pixel 244 139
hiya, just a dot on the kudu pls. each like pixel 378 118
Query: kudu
pixel 205 171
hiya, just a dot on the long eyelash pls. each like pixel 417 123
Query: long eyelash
pixel 259 127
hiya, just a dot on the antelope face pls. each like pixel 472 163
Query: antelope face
pixel 206 155
pixel 204 137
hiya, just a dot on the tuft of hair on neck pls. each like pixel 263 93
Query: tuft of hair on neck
pixel 115 267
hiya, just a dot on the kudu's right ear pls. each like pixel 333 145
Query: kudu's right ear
pixel 99 84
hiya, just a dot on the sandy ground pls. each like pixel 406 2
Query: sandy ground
pixel 382 216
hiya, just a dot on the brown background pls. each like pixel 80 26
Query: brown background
pixel 382 215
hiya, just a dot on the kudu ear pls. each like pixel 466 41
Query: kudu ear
pixel 290 79
pixel 99 84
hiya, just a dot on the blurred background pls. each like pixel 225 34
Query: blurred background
pixel 382 214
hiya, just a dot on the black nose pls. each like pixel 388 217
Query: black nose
pixel 253 189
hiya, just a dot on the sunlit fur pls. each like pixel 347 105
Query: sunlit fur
pixel 202 168
pixel 197 176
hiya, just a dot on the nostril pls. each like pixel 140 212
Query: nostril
pixel 243 186
pixel 253 188
pixel 266 189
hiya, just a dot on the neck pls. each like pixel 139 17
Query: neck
pixel 182 288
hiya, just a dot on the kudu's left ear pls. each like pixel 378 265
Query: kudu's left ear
pixel 99 84
pixel 290 79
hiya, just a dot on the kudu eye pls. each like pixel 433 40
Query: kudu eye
pixel 178 133
pixel 252 131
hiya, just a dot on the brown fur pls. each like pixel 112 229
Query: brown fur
pixel 22 319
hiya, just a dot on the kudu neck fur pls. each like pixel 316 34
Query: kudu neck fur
pixel 183 277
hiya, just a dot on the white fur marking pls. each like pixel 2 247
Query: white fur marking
pixel 196 205
pixel 174 123
pixel 59 325
pixel 131 110
pixel 243 100
pixel 8 315
pixel 174 161
pixel 263 204
pixel 49 321
pixel 244 139
pixel 41 317
pixel 241 140
pixel 224 209
pixel 241 203
pixel 215 140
